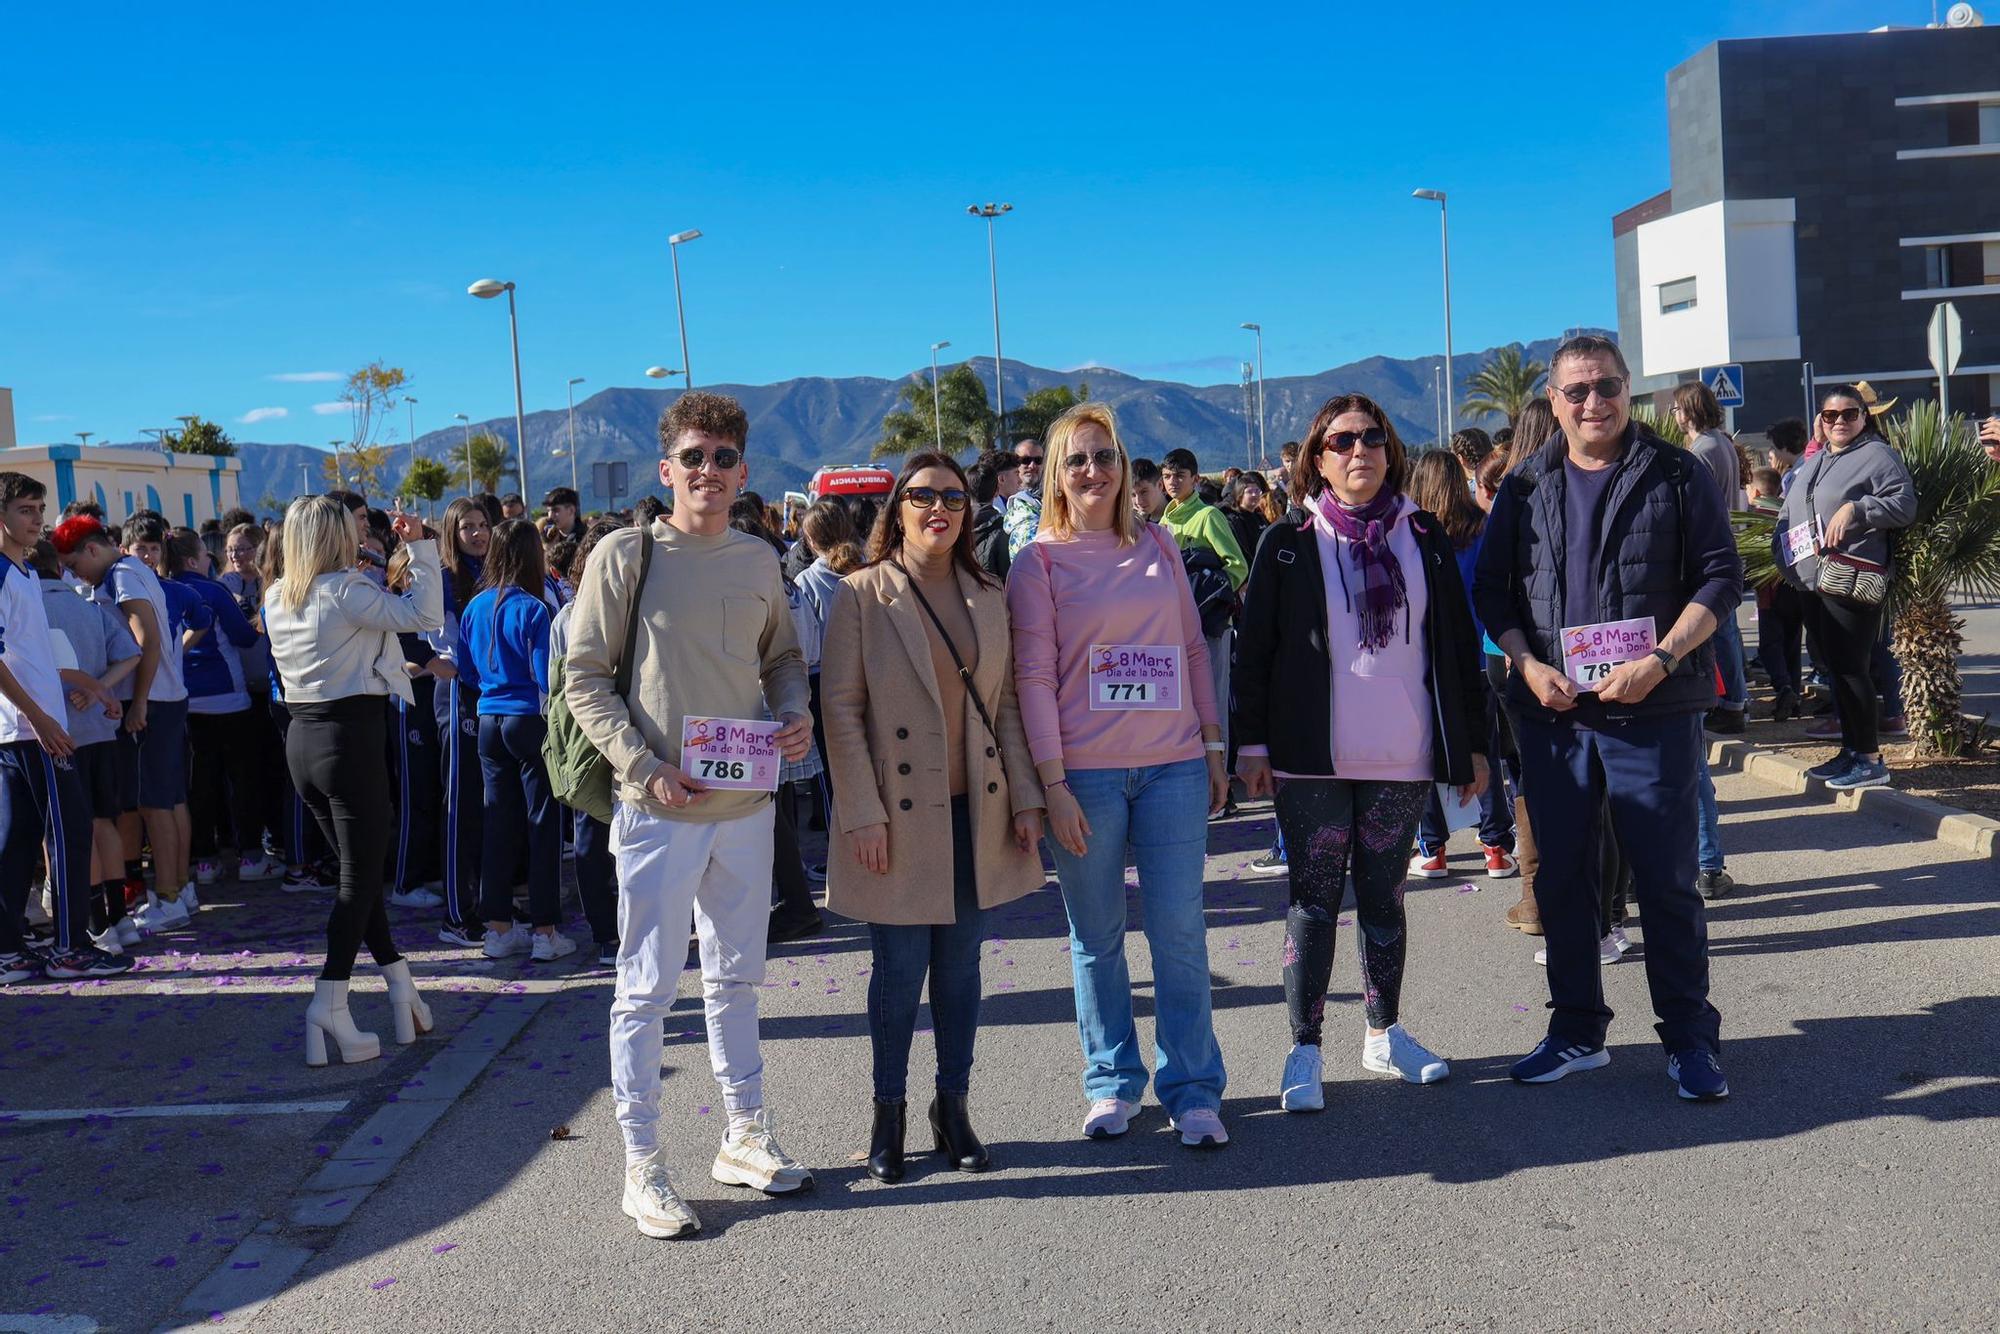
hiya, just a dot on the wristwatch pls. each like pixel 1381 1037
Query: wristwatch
pixel 1667 660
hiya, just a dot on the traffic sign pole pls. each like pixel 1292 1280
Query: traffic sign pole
pixel 1945 346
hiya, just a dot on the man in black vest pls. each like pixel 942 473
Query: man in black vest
pixel 1606 563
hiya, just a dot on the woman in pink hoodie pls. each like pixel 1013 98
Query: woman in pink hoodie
pixel 1357 621
pixel 1111 669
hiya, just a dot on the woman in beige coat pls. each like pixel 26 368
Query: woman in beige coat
pixel 937 809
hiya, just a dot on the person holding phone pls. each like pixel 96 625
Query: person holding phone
pixel 1357 625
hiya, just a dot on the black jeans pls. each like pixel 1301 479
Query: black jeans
pixel 793 897
pixel 596 877
pixel 334 752
pixel 950 954
pixel 1330 823
pixel 1846 633
pixel 223 806
pixel 1779 630
pixel 519 804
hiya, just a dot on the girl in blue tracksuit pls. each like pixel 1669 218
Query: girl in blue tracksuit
pixel 504 654
pixel 462 543
pixel 223 809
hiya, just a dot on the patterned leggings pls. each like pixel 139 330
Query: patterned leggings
pixel 1328 824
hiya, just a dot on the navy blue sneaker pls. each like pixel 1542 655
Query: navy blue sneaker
pixel 1841 762
pixel 1860 773
pixel 1698 1073
pixel 1553 1058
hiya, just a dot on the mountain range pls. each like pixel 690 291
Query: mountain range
pixel 796 426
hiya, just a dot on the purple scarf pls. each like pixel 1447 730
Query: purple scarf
pixel 1366 528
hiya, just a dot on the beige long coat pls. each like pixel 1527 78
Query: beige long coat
pixel 885 740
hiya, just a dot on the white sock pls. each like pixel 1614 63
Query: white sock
pixel 742 1119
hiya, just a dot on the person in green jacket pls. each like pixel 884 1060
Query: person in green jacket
pixel 1197 524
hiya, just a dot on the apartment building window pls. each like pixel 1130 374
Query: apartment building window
pixel 1676 295
pixel 1937 267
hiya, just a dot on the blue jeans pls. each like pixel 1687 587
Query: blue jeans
pixel 1162 812
pixel 1708 833
pixel 950 955
pixel 1728 641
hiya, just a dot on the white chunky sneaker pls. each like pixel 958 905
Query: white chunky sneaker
pixel 504 944
pixel 652 1202
pixel 1201 1128
pixel 1303 1087
pixel 554 945
pixel 415 897
pixel 1397 1053
pixel 1109 1118
pixel 750 1156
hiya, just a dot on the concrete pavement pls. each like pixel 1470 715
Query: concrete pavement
pixel 1846 1183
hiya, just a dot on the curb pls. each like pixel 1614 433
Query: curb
pixel 1963 830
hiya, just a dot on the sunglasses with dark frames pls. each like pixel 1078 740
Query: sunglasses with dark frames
pixel 1834 416
pixel 923 497
pixel 1106 459
pixel 695 459
pixel 1610 387
pixel 1343 442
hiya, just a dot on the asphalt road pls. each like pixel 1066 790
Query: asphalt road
pixel 1848 1183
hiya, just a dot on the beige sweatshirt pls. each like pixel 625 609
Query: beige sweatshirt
pixel 715 641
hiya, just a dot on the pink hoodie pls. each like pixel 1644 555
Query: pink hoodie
pixel 1065 596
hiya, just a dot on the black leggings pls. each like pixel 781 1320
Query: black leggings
pixel 222 802
pixel 334 752
pixel 1846 633
pixel 1328 824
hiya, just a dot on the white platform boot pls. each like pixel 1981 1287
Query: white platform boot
pixel 413 1017
pixel 326 1017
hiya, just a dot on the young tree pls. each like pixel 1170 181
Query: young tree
pixel 1503 386
pixel 962 404
pixel 426 480
pixel 362 468
pixel 199 437
pixel 480 462
pixel 369 394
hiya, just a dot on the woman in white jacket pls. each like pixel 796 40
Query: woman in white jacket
pixel 333 640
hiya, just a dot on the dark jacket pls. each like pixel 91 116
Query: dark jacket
pixel 1283 672
pixel 1665 542
pixel 989 541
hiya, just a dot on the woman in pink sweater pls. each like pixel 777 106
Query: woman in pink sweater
pixel 1358 635
pixel 1112 674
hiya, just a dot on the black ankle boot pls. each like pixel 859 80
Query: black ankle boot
pixel 885 1142
pixel 955 1138
pixel 1785 707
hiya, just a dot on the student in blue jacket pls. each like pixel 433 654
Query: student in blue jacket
pixel 504 655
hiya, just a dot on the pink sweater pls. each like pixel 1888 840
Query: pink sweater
pixel 1064 597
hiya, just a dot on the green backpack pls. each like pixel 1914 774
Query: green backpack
pixel 578 774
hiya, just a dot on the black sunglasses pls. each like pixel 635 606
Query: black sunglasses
pixel 1343 442
pixel 694 459
pixel 1610 387
pixel 1106 459
pixel 923 497
pixel 1831 416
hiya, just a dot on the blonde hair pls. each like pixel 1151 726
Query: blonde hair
pixel 1056 519
pixel 319 539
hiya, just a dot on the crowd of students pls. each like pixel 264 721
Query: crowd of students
pixel 1062 648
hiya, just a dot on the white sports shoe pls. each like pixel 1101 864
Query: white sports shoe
pixel 1609 950
pixel 415 898
pixel 1109 1118
pixel 1201 1128
pixel 129 933
pixel 652 1202
pixel 253 868
pixel 750 1156
pixel 552 946
pixel 161 915
pixel 504 944
pixel 1303 1087
pixel 188 900
pixel 1397 1053
pixel 108 940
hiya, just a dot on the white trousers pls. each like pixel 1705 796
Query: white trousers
pixel 722 874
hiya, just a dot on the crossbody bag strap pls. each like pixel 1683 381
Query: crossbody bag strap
pixel 964 673
pixel 623 679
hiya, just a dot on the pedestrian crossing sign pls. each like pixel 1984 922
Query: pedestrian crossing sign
pixel 1726 382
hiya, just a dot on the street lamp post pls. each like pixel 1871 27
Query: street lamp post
pixel 411 404
pixel 459 416
pixel 486 289
pixel 575 380
pixel 663 372
pixel 1258 329
pixel 990 212
pixel 83 437
pixel 1444 234
pixel 680 316
pixel 937 407
pixel 339 477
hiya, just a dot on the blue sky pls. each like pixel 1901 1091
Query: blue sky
pixel 197 200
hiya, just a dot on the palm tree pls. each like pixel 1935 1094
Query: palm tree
pixel 479 462
pixel 1503 386
pixel 1952 550
pixel 966 413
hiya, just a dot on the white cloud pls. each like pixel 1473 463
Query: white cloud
pixel 330 409
pixel 256 415
pixel 307 377
pixel 52 417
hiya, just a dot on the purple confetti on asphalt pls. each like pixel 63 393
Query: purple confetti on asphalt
pixel 382 1283
pixel 448 1246
pixel 165 1262
pixel 246 1264
pixel 1521 1009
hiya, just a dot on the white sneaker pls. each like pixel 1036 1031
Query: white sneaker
pixel 253 868
pixel 1109 1118
pixel 188 900
pixel 108 940
pixel 551 946
pixel 415 898
pixel 38 910
pixel 1397 1053
pixel 652 1202
pixel 161 915
pixel 1201 1128
pixel 1303 1087
pixel 129 933
pixel 751 1157
pixel 503 944
pixel 1609 950
pixel 205 873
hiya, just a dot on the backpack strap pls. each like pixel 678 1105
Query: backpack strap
pixel 623 680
